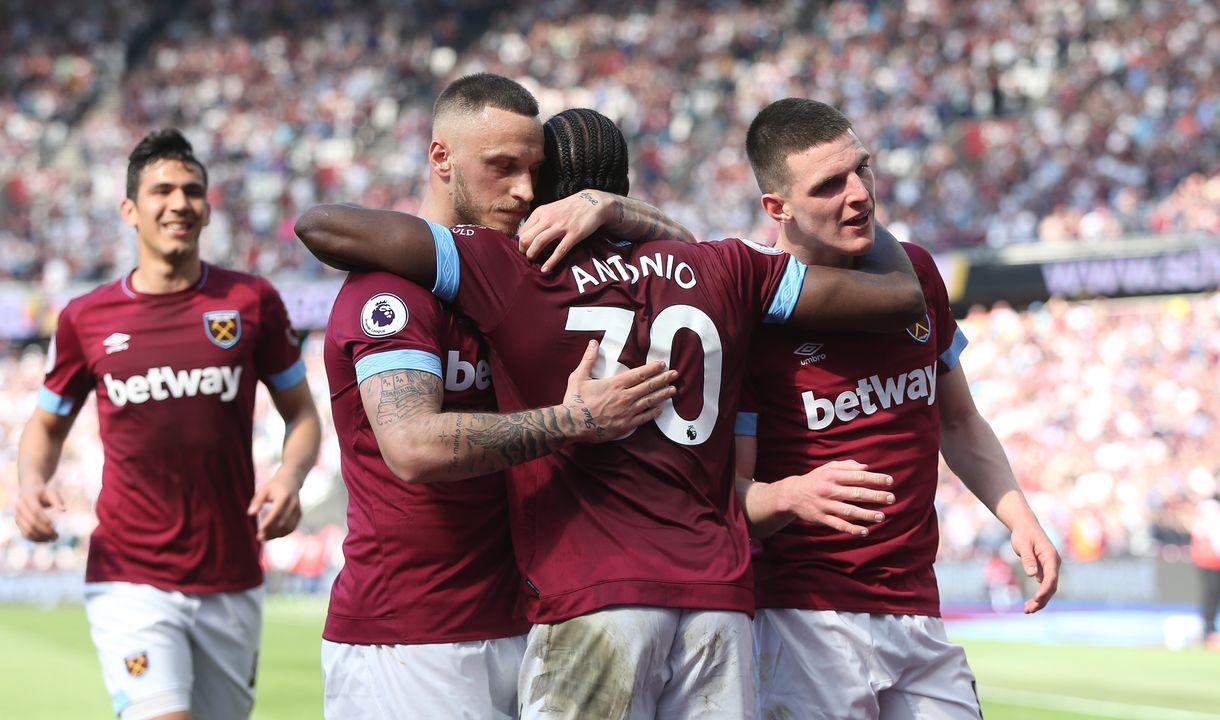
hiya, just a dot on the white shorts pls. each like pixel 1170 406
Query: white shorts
pixel 441 681
pixel 164 651
pixel 825 665
pixel 639 663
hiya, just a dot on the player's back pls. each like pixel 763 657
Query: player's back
pixel 650 519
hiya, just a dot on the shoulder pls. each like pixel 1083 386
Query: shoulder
pixel 236 280
pixel 380 304
pixel 99 295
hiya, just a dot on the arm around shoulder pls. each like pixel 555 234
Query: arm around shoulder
pixel 882 294
pixel 348 237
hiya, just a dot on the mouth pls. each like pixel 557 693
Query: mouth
pixel 178 229
pixel 860 220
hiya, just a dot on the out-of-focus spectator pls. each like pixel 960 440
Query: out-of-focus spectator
pixel 993 121
pixel 1205 551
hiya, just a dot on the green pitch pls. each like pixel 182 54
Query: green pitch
pixel 48 671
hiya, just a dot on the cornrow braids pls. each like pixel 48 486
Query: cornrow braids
pixel 584 150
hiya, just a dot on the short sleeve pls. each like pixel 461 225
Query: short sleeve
pixel 278 353
pixel 384 322
pixel 68 379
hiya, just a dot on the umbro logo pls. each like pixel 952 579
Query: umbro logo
pixel 810 353
pixel 116 342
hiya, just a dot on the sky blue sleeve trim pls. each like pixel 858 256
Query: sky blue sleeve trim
pixel 370 365
pixel 447 268
pixel 954 352
pixel 52 402
pixel 747 424
pixel 120 700
pixel 789 290
pixel 285 379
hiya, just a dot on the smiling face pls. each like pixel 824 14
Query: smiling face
pixel 827 208
pixel 491 161
pixel 169 211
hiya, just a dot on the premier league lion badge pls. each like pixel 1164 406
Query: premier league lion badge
pixel 223 327
pixel 382 315
pixel 922 330
pixel 137 664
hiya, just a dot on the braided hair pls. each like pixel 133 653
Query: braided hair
pixel 584 149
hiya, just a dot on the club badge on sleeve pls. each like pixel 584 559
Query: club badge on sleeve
pixel 382 315
pixel 223 327
pixel 137 663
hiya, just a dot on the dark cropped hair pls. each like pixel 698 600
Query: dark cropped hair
pixel 584 149
pixel 166 144
pixel 470 94
pixel 785 127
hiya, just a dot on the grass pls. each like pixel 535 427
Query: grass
pixel 48 670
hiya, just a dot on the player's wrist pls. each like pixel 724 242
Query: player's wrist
pixel 585 427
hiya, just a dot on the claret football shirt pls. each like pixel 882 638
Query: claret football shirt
pixel 814 397
pixel 175 376
pixel 649 519
pixel 424 562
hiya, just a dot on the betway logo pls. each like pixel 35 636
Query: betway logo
pixel 871 394
pixel 163 383
pixel 460 375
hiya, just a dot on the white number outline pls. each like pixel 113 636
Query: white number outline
pixel 616 323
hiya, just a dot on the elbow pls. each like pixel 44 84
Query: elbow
pixel 411 468
pixel 310 228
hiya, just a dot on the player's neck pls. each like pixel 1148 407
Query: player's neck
pixel 159 276
pixel 437 207
pixel 811 253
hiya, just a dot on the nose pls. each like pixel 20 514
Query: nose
pixel 857 189
pixel 523 188
pixel 178 200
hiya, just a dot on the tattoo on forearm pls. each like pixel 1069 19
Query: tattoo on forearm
pixel 641 221
pixel 475 443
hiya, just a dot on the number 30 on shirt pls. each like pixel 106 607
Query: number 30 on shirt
pixel 616 324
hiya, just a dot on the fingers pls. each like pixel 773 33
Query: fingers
pixel 281 519
pixel 542 239
pixel 259 499
pixel 52 499
pixel 34 522
pixel 584 369
pixel 1047 573
pixel 569 241
pixel 639 379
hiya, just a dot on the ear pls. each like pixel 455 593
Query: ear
pixel 129 212
pixel 440 158
pixel 776 208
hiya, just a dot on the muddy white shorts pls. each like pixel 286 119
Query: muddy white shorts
pixel 164 651
pixel 474 680
pixel 825 665
pixel 640 663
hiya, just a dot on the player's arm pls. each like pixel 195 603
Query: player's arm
pixel 829 495
pixel 42 444
pixel 421 443
pixel 975 455
pixel 574 218
pixel 349 237
pixel 882 293
pixel 302 436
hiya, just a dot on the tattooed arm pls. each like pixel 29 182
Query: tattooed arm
pixel 421 443
pixel 576 217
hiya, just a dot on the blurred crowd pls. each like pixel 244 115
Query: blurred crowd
pixel 1109 411
pixel 992 122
